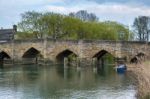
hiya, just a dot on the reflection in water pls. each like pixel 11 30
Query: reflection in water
pixel 31 72
pixel 54 82
pixel 1 63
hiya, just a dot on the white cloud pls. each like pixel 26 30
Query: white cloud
pixel 119 9
pixel 116 12
pixel 61 9
pixel 124 13
pixel 10 10
pixel 26 2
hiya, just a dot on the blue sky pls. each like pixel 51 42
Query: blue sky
pixel 123 11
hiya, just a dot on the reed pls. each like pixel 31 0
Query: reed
pixel 142 76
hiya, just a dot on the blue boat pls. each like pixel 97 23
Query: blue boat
pixel 121 69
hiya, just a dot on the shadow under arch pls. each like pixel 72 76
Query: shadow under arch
pixel 4 55
pixel 31 56
pixel 140 55
pixel 31 53
pixel 100 54
pixel 3 58
pixel 65 53
pixel 104 59
pixel 138 58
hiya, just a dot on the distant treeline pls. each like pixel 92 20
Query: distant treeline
pixel 79 25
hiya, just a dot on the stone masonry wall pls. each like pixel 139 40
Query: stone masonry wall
pixel 49 49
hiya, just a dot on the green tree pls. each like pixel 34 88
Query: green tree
pixel 57 26
pixel 117 31
pixel 70 26
pixel 29 22
pixel 51 24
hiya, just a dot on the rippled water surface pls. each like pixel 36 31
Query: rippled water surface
pixel 54 82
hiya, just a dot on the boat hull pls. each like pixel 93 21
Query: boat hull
pixel 121 70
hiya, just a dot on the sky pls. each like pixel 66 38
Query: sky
pixel 122 11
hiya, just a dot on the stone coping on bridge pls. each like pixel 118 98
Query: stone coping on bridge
pixel 72 41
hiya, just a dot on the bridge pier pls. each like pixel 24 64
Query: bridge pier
pixel 1 63
pixel 78 63
pixel 119 61
pixel 66 62
pixel 94 64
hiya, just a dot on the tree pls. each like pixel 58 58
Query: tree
pixel 51 24
pixel 84 15
pixel 58 26
pixel 29 22
pixel 121 31
pixel 142 28
pixel 46 24
pixel 107 30
pixel 70 27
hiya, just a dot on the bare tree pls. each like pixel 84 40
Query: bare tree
pixel 142 28
pixel 84 15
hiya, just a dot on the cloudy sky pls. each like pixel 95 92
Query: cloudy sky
pixel 123 11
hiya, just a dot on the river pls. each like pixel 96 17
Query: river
pixel 55 82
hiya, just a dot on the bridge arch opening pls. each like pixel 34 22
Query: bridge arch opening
pixel 101 54
pixel 3 58
pixel 140 55
pixel 104 58
pixel 138 58
pixel 31 53
pixel 4 55
pixel 31 56
pixel 65 54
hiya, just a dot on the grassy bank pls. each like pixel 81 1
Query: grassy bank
pixel 142 76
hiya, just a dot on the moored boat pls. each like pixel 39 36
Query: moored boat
pixel 121 68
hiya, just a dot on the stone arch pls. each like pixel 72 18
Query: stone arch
pixel 138 58
pixel 65 53
pixel 101 53
pixel 4 55
pixel 140 55
pixel 134 60
pixel 31 53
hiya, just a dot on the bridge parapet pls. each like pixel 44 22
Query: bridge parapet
pixel 76 41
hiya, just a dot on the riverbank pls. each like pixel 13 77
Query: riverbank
pixel 142 76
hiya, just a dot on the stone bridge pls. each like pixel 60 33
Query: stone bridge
pixel 54 50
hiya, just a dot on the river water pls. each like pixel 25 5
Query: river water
pixel 55 82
